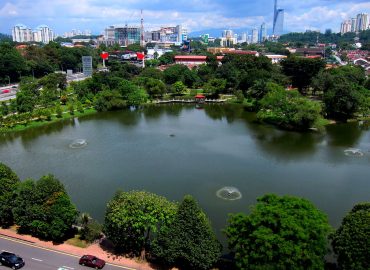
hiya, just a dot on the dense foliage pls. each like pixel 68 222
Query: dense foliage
pixel 132 220
pixel 8 184
pixel 189 242
pixel 351 242
pixel 280 233
pixel 44 209
pixel 288 108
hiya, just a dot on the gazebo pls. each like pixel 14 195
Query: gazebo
pixel 199 98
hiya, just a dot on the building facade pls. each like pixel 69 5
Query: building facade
pixel 22 33
pixel 263 33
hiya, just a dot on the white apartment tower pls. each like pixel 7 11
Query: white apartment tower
pixel 346 27
pixel 43 34
pixel 21 33
pixel 362 22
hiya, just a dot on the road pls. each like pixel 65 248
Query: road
pixel 38 258
pixel 11 94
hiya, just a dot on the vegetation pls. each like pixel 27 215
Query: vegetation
pixel 132 220
pixel 44 209
pixel 9 182
pixel 351 242
pixel 280 233
pixel 189 242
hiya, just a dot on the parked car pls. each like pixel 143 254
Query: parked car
pixel 11 260
pixel 92 261
pixel 5 91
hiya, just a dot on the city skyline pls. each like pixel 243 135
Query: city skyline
pixel 196 16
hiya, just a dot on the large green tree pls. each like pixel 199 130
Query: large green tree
pixel 44 209
pixel 280 233
pixel 132 220
pixel 189 242
pixel 302 71
pixel 287 109
pixel 351 242
pixel 8 183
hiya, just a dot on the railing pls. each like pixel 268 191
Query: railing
pixel 189 101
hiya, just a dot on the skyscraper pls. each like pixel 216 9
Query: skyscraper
pixel 353 24
pixel 254 35
pixel 278 23
pixel 362 22
pixel 263 33
pixel 346 27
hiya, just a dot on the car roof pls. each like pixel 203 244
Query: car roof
pixel 6 253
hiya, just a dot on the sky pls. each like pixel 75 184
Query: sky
pixel 197 15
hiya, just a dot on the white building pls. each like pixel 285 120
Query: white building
pixel 43 34
pixel 346 27
pixel 362 22
pixel 22 33
pixel 254 35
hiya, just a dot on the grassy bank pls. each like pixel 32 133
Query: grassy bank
pixel 54 119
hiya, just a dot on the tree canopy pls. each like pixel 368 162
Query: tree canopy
pixel 133 218
pixel 9 181
pixel 44 209
pixel 280 233
pixel 189 241
pixel 351 242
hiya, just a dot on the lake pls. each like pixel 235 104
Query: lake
pixel 173 150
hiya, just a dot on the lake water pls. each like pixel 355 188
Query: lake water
pixel 173 150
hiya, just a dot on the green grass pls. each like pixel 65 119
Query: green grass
pixel 77 242
pixel 54 119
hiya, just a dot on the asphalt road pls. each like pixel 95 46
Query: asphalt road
pixel 37 258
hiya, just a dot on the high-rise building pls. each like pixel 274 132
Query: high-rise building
pixel 362 22
pixel 244 37
pixel 228 38
pixel 22 33
pixel 263 33
pixel 278 23
pixel 43 34
pixel 254 35
pixel 346 27
pixel 353 24
pixel 126 35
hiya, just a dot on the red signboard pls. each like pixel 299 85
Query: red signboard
pixel 104 55
pixel 140 56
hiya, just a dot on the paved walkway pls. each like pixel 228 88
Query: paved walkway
pixel 93 249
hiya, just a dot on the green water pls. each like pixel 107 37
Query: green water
pixel 173 150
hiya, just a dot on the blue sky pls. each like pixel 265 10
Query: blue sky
pixel 196 15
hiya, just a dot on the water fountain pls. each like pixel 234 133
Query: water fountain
pixel 78 143
pixel 229 193
pixel 353 152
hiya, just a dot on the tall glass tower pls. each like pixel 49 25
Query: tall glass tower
pixel 278 21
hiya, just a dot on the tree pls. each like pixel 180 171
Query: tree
pixel 175 73
pixel 151 72
pixel 133 218
pixel 167 58
pixel 214 87
pixel 44 209
pixel 288 109
pixel 302 71
pixel 351 241
pixel 154 87
pixel 137 97
pixel 8 183
pixel 178 88
pixel 107 100
pixel 342 100
pixel 280 233
pixel 189 242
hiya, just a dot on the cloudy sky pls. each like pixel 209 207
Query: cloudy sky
pixel 197 15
